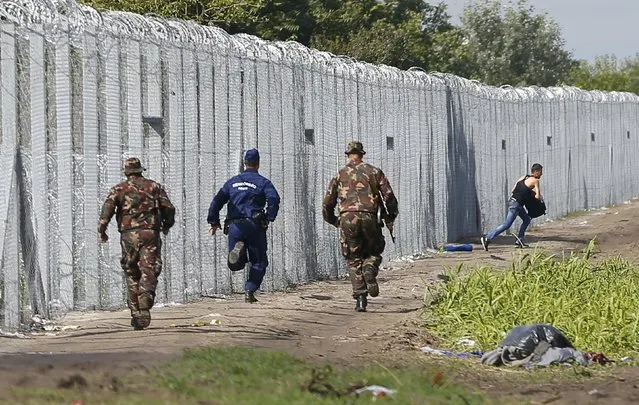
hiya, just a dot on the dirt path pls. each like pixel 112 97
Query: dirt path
pixel 314 321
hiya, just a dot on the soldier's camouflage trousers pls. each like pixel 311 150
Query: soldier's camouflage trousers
pixel 362 245
pixel 142 263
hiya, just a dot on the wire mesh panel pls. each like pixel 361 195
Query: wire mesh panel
pixel 8 203
pixel 39 183
pixel 82 90
pixel 113 279
pixel 192 211
pixel 207 155
pixel 225 165
pixel 175 137
pixel 91 171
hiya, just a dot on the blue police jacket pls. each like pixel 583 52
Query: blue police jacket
pixel 246 194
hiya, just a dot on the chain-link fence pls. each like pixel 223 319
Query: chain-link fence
pixel 81 90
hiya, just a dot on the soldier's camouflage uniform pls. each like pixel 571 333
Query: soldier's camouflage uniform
pixel 142 209
pixel 360 189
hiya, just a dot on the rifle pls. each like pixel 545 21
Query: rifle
pixel 382 215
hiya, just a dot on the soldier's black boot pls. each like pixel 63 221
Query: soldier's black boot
pixel 135 322
pixel 249 296
pixel 362 302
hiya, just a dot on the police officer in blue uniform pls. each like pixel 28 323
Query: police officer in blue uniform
pixel 246 222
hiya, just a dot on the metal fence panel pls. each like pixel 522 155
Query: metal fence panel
pixel 82 91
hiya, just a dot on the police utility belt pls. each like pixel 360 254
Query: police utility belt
pixel 259 218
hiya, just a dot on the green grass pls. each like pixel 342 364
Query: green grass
pixel 246 376
pixel 595 304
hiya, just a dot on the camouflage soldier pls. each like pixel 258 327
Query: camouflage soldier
pixel 142 210
pixel 362 190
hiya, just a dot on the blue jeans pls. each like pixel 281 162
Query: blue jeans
pixel 515 209
pixel 254 238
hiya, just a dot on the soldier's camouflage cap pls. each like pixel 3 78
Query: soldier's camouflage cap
pixel 355 147
pixel 132 166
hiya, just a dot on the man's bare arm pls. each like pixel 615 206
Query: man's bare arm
pixel 537 189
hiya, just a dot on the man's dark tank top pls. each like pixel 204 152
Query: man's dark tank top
pixel 522 192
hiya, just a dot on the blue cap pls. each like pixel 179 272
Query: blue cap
pixel 252 156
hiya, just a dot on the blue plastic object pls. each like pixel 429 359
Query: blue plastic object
pixel 459 248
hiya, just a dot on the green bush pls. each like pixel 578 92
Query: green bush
pixel 595 304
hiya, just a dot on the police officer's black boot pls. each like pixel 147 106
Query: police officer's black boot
pixel 362 302
pixel 249 296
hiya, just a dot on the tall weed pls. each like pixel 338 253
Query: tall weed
pixel 595 304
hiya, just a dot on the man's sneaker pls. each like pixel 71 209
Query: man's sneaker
pixel 521 244
pixel 485 242
pixel 249 296
pixel 371 281
pixel 362 302
pixel 236 255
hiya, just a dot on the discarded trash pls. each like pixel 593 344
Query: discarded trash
pixel 51 327
pixel 596 392
pixel 168 305
pixel 197 323
pixel 377 390
pixel 627 359
pixel 422 255
pixel 39 324
pixel 448 353
pixel 15 335
pixel 215 322
pixel 537 345
pixel 459 248
pixel 467 342
pixel 598 358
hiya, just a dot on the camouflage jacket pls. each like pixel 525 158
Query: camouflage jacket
pixel 359 188
pixel 138 203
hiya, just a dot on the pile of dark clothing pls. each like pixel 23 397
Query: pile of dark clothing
pixel 538 345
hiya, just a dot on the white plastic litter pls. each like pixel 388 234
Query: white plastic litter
pixel 52 327
pixel 168 305
pixel 430 350
pixel 15 335
pixel 377 390
pixel 467 342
